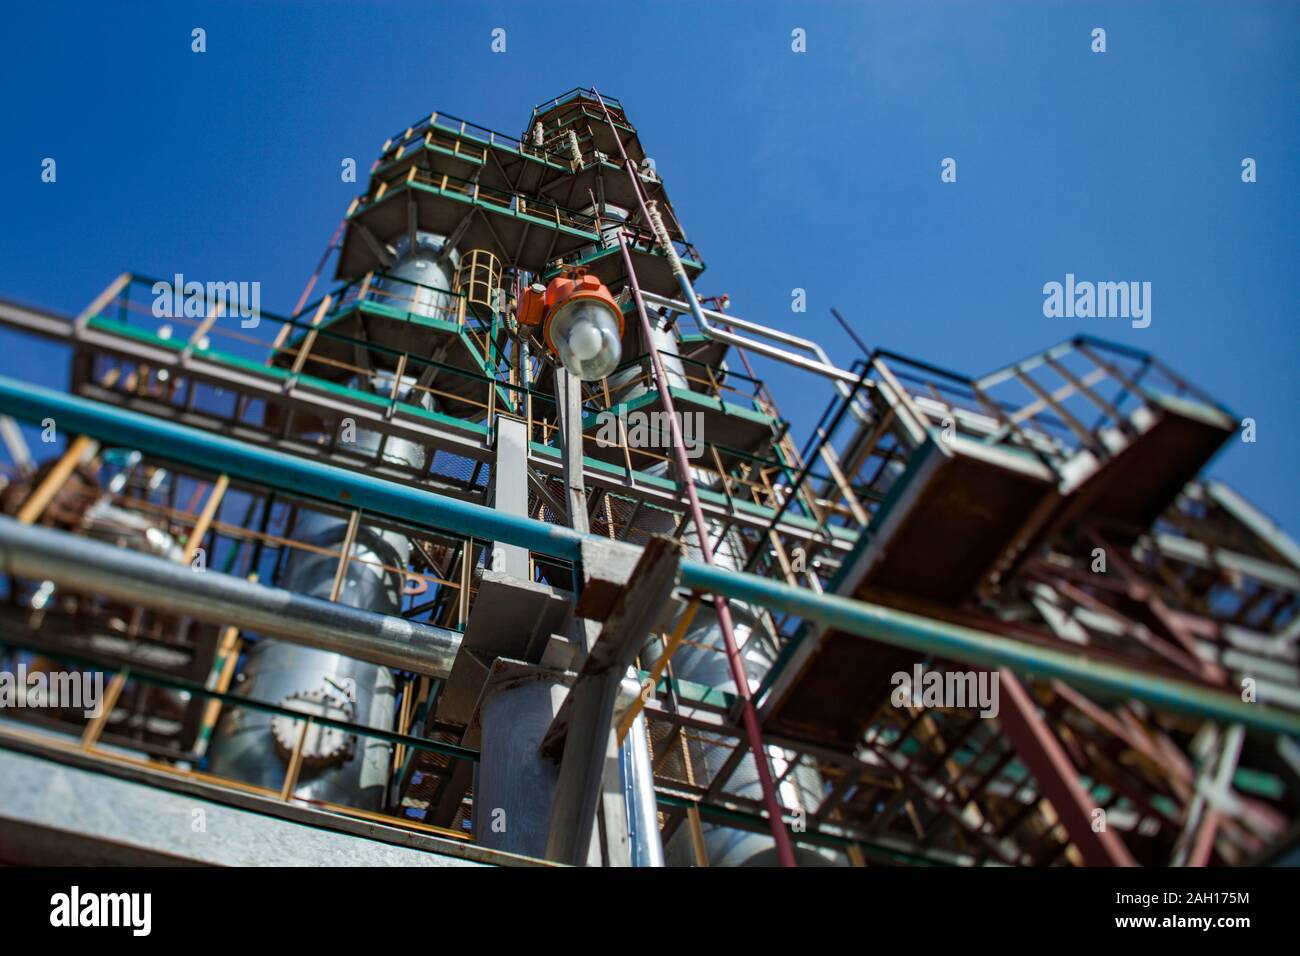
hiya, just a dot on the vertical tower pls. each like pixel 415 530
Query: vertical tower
pixel 393 498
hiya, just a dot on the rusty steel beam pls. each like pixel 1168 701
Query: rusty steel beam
pixel 1058 781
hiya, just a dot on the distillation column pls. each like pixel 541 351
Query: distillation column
pixel 337 767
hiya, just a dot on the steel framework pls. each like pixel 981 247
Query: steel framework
pixel 1048 524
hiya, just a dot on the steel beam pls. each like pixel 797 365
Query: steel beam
pixel 467 442
pixel 167 440
pixel 36 320
pixel 1057 779
pixel 585 721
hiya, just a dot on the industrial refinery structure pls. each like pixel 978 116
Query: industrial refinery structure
pixel 498 552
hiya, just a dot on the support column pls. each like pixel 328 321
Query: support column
pixel 590 768
pixel 516 785
pixel 571 839
pixel 510 476
pixel 568 405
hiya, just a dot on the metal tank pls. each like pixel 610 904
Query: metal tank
pixel 421 278
pixel 255 746
pixel 338 767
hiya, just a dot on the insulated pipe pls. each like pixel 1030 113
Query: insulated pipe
pixel 383 498
pixel 748 713
pixel 754 772
pixel 94 567
pixel 823 366
pixel 698 661
pixel 288 473
pixel 639 789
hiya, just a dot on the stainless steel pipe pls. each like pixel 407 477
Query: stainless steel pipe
pixel 93 567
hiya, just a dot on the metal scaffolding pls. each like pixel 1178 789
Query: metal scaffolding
pixel 400 474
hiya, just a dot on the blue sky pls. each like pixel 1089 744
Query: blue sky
pixel 817 170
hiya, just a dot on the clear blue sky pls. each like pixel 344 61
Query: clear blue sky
pixel 817 170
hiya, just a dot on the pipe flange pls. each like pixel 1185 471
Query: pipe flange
pixel 323 746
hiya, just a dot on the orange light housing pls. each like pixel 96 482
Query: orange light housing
pixel 581 322
pixel 533 307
